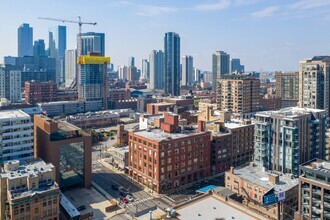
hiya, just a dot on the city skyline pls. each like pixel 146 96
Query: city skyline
pixel 264 35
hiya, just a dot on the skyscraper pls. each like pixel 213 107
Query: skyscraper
pixel 70 67
pixel 239 94
pixel 220 66
pixel 93 80
pixel 10 84
pixel 131 61
pixel 235 65
pixel 197 75
pixel 156 59
pixel 25 40
pixel 92 42
pixel 39 48
pixel 132 73
pixel 145 72
pixel 172 63
pixel 314 83
pixel 57 47
pixel 287 88
pixel 122 72
pixel 187 71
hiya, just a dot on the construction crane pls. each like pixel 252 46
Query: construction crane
pixel 80 23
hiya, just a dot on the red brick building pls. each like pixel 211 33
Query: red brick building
pixel 40 92
pixel 163 159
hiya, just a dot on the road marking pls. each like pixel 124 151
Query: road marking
pixel 139 201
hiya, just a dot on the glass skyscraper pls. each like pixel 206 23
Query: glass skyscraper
pixel 92 42
pixel 93 80
pixel 25 40
pixel 57 47
pixel 172 63
pixel 39 48
pixel 156 59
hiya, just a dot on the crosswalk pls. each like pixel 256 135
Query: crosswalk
pixel 139 201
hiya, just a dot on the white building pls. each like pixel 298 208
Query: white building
pixel 122 72
pixel 10 85
pixel 187 71
pixel 70 67
pixel 16 135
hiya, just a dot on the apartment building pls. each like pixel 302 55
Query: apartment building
pixel 16 135
pixel 287 88
pixel 314 190
pixel 239 94
pixel 36 92
pixel 270 193
pixel 314 83
pixel 166 158
pixel 28 191
pixel 286 138
pixel 232 144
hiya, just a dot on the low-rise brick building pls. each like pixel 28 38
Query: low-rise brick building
pixel 166 158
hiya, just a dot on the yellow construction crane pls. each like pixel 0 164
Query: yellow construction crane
pixel 79 22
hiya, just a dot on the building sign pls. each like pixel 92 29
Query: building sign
pixel 280 196
pixel 269 199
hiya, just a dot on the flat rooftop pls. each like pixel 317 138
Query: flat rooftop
pixel 260 177
pixel 66 127
pixel 290 112
pixel 211 207
pixel 318 165
pixel 159 135
pixel 24 169
pixel 13 114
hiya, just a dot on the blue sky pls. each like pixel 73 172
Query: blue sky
pixel 266 34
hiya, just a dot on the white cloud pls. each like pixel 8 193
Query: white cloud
pixel 307 4
pixel 218 5
pixel 245 2
pixel 149 10
pixel 266 12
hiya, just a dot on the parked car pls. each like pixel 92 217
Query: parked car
pixel 124 200
pixel 82 207
pixel 130 198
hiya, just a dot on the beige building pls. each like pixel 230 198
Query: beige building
pixel 287 88
pixel 28 191
pixel 270 193
pixel 239 94
pixel 314 83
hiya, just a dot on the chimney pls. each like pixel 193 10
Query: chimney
pixel 232 170
pixel 201 126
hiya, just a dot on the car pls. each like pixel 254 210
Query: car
pixel 82 207
pixel 114 187
pixel 124 194
pixel 124 200
pixel 130 198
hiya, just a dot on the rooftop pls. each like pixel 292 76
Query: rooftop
pixel 68 206
pixel 67 127
pixel 159 135
pixel 259 176
pixel 318 165
pixel 13 114
pixel 211 207
pixel 290 112
pixel 23 169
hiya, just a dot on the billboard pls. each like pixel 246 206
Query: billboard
pixel 280 196
pixel 269 199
